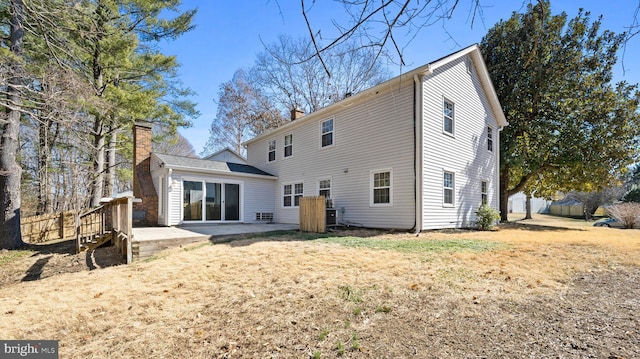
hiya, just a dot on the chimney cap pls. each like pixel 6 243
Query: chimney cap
pixel 143 123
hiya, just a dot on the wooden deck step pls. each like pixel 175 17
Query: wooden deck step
pixel 96 242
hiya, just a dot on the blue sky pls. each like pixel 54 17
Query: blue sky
pixel 229 34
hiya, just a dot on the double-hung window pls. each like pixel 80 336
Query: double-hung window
pixel 292 194
pixel 272 150
pixel 448 115
pixel 324 186
pixel 490 139
pixel 448 182
pixel 381 182
pixel 288 145
pixel 483 192
pixel 327 133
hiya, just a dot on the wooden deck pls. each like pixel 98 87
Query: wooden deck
pixel 148 241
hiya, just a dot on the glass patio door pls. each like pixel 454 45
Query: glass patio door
pixel 211 201
pixel 231 202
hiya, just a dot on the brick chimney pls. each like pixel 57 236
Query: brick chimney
pixel 296 114
pixel 145 213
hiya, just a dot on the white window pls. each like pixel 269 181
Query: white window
pixel 448 184
pixel 324 188
pixel 272 150
pixel 327 133
pixel 161 196
pixel 490 139
pixel 292 194
pixel 288 145
pixel 483 192
pixel 381 182
pixel 448 117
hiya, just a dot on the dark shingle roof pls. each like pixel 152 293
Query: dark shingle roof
pixel 208 165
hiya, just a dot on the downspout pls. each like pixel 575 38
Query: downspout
pixel 497 189
pixel 417 150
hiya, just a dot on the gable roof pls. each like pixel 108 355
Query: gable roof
pixel 472 51
pixel 208 166
pixel 233 153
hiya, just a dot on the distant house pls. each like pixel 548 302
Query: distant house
pixel 518 204
pixel 418 152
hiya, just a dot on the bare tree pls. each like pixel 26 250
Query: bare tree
pixel 293 78
pixel 242 112
pixel 171 143
pixel 385 26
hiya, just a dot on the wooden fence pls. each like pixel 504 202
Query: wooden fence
pixel 313 214
pixel 574 210
pixel 48 227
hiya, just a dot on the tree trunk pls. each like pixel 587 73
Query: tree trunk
pixel 528 206
pixel 98 162
pixel 44 163
pixel 10 171
pixel 504 194
pixel 111 164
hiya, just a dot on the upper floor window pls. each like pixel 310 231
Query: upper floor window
pixel 324 188
pixel 448 115
pixel 327 133
pixel 483 192
pixel 288 145
pixel 490 139
pixel 447 188
pixel 381 187
pixel 272 150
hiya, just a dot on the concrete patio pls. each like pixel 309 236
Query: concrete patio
pixel 148 241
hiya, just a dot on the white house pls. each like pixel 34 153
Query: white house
pixel 417 152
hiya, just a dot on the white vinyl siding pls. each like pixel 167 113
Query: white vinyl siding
pixel 257 194
pixel 464 154
pixel 373 134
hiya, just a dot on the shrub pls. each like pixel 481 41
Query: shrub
pixel 486 217
pixel 627 213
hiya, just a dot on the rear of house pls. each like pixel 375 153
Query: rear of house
pixel 417 152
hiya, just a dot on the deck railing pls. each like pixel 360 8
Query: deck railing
pixel 110 222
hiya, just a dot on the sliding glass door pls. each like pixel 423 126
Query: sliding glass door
pixel 211 201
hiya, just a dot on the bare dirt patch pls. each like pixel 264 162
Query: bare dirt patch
pixel 549 288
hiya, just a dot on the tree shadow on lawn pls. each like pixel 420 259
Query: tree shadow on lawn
pixel 539 227
pixel 60 256
pixel 242 240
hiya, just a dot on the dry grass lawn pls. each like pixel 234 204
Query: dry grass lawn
pixel 544 287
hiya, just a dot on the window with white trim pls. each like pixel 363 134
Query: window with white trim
pixel 272 150
pixel 288 145
pixel 483 192
pixel 448 183
pixel 490 139
pixel 292 194
pixel 327 133
pixel 324 188
pixel 381 187
pixel 448 117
